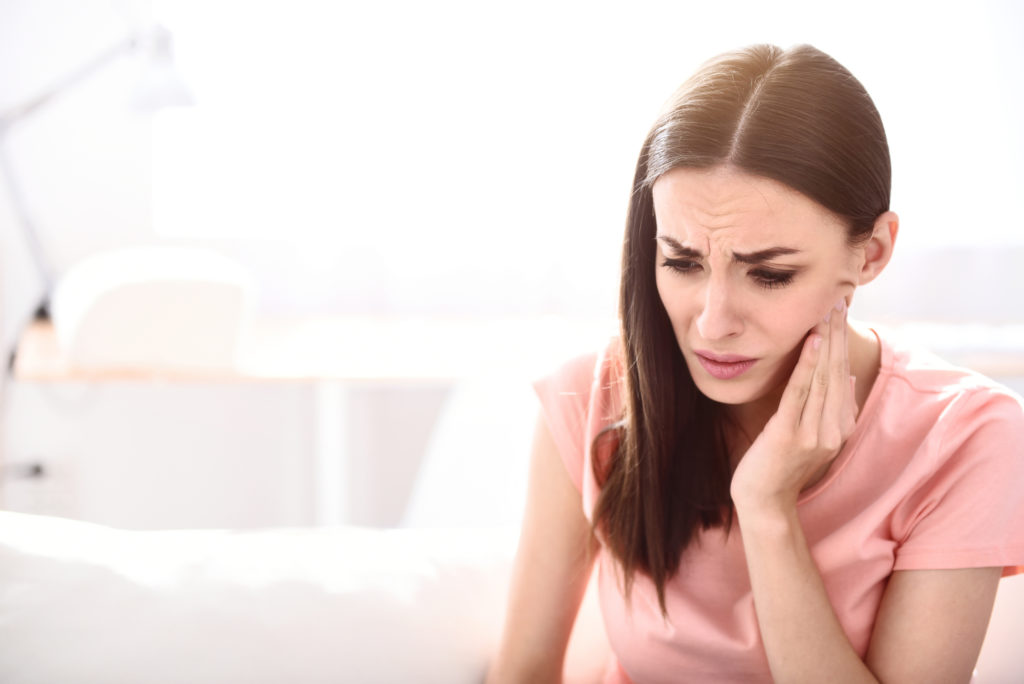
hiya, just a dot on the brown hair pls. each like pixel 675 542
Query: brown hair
pixel 795 116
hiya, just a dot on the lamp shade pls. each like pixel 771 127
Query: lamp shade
pixel 160 85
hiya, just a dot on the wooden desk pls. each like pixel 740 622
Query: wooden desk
pixel 376 349
pixel 349 349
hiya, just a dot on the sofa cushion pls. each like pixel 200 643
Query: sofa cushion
pixel 85 603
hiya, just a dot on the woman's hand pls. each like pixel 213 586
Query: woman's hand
pixel 816 415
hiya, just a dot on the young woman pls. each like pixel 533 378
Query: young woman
pixel 771 491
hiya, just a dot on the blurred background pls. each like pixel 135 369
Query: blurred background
pixel 418 207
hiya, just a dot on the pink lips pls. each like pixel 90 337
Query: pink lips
pixel 724 366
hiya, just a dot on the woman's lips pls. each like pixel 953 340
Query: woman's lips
pixel 724 366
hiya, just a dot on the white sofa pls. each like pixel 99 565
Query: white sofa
pixel 87 604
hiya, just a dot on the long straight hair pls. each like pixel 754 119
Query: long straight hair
pixel 797 117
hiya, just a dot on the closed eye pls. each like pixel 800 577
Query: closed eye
pixel 686 266
pixel 770 278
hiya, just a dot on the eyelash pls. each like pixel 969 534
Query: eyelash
pixel 767 278
pixel 770 279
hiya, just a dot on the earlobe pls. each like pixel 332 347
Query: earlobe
pixel 878 250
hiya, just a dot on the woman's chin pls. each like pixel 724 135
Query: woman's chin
pixel 732 392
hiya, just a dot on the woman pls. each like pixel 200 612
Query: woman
pixel 770 490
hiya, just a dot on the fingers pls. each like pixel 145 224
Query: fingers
pixel 819 400
pixel 852 409
pixel 808 429
pixel 795 395
pixel 836 404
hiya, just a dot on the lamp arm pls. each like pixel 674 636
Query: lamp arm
pixel 21 111
pixel 28 226
pixel 24 110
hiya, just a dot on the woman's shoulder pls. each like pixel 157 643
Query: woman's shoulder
pixel 917 380
pixel 580 398
pixel 922 370
pixel 942 444
pixel 599 368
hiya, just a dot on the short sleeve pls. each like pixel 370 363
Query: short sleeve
pixel 565 397
pixel 969 511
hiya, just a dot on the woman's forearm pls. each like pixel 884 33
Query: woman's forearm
pixel 802 636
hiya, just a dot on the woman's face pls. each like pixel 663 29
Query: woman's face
pixel 745 267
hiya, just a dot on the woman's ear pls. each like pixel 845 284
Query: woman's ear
pixel 878 249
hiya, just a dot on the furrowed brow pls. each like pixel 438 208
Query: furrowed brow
pixel 678 249
pixel 763 255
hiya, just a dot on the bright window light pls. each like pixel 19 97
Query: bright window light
pixel 467 155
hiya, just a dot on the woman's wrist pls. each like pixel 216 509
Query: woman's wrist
pixel 765 511
pixel 759 501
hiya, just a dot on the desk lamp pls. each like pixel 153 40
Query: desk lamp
pixel 158 88
pixel 155 307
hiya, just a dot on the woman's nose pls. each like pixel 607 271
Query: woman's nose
pixel 718 318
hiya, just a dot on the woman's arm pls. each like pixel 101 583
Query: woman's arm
pixel 930 625
pixel 929 628
pixel 551 571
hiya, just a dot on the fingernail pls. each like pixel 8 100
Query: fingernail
pixel 840 305
pixel 828 316
pixel 816 341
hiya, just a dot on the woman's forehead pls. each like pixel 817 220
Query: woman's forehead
pixel 705 207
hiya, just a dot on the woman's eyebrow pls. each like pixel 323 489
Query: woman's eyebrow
pixel 763 255
pixel 678 249
pixel 758 257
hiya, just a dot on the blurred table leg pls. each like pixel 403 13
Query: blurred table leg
pixel 331 477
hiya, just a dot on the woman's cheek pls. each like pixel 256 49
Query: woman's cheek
pixel 796 320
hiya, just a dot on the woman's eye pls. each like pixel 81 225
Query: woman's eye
pixel 770 279
pixel 681 265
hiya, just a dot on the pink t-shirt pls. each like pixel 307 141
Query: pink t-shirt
pixel 932 477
